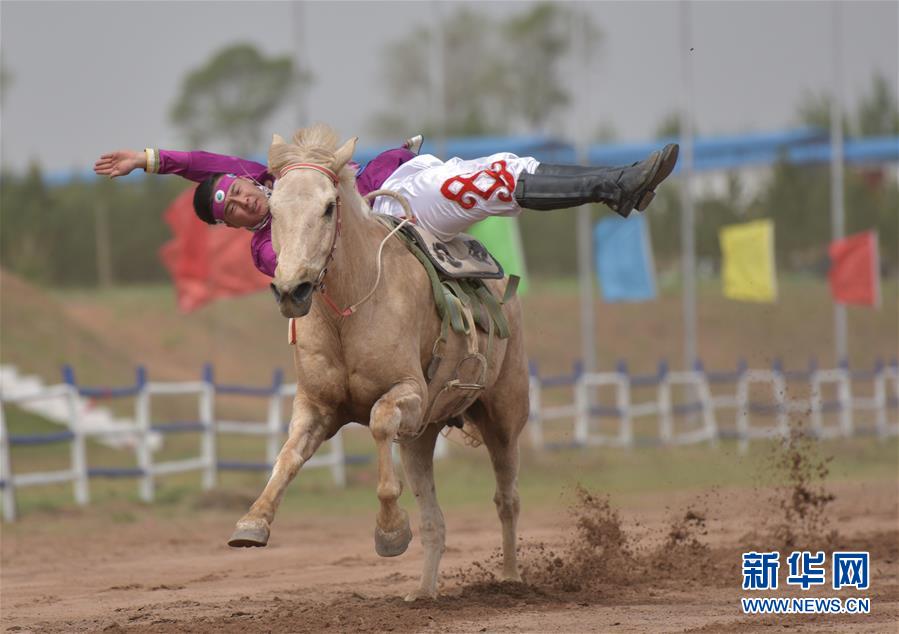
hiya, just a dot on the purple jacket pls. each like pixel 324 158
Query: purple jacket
pixel 197 166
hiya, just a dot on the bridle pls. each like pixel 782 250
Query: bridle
pixel 319 284
pixel 320 280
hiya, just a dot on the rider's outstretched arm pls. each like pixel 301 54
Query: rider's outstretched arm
pixel 195 166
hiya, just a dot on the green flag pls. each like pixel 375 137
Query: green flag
pixel 502 238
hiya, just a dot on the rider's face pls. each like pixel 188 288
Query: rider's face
pixel 245 204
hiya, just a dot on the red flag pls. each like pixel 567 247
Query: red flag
pixel 855 269
pixel 206 262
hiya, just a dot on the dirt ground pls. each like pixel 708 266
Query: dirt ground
pixel 665 563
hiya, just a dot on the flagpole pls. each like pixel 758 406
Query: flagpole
pixel 837 195
pixel 438 75
pixel 584 215
pixel 299 56
pixel 688 242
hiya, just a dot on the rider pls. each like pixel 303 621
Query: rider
pixel 448 197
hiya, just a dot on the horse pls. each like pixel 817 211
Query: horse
pixel 369 363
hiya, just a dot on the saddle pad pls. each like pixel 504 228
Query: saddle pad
pixel 463 257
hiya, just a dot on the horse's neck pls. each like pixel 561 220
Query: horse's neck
pixel 354 268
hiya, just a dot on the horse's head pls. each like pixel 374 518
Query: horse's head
pixel 305 212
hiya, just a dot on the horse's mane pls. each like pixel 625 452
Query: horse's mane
pixel 315 144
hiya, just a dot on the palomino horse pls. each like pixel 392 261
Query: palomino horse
pixel 369 365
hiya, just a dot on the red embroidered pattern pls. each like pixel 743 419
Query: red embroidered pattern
pixel 465 191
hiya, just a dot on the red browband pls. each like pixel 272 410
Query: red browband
pixel 311 166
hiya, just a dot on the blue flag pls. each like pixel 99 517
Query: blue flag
pixel 624 262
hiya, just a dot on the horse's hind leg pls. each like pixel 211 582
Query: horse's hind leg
pixel 418 461
pixel 308 428
pixel 399 408
pixel 500 417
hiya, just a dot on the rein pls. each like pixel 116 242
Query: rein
pixel 320 281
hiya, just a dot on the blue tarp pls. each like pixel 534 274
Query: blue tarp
pixel 724 152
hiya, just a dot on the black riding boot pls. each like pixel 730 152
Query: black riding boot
pixel 621 188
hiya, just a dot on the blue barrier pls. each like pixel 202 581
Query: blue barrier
pixel 42 439
pixel 867 375
pixel 795 375
pixel 764 409
pixel 115 472
pixel 177 427
pixel 68 377
pixel 555 446
pixel 686 408
pixel 561 380
pixel 242 390
pixel 605 411
pixel 243 466
pixel 725 376
pixel 646 380
pixel 354 459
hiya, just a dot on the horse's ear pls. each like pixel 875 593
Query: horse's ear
pixel 276 153
pixel 344 153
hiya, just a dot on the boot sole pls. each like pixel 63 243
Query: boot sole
pixel 666 164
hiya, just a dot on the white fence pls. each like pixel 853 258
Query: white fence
pixel 143 431
pixel 635 410
pixel 601 408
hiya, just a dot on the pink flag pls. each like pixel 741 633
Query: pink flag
pixel 206 262
pixel 855 269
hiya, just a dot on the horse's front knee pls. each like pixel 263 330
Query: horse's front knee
pixel 385 421
pixel 433 532
pixel 508 505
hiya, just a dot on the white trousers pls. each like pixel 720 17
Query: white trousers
pixel 449 197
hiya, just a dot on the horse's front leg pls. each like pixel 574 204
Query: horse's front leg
pixel 418 460
pixel 309 426
pixel 399 408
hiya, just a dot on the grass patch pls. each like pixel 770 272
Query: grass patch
pixel 464 479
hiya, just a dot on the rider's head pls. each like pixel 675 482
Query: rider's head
pixel 231 200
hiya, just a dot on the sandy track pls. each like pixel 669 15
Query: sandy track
pixel 64 573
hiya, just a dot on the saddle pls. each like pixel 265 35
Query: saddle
pixel 457 270
pixel 463 257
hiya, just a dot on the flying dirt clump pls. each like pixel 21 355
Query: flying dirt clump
pixel 801 495
pixel 600 559
pixel 683 554
pixel 598 554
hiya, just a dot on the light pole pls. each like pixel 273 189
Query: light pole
pixel 688 220
pixel 837 197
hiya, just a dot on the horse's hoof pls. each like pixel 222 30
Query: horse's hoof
pixel 420 594
pixel 393 543
pixel 249 534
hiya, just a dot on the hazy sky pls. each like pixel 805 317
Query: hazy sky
pixel 96 76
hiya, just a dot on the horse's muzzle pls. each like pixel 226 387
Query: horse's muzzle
pixel 296 302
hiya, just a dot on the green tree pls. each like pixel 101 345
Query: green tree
pixel 536 42
pixel 6 80
pixel 669 126
pixel 472 80
pixel 878 112
pixel 814 111
pixel 496 73
pixel 231 97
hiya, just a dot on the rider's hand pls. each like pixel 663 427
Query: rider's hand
pixel 120 163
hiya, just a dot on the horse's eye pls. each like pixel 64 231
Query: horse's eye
pixel 329 210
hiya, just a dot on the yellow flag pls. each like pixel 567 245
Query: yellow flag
pixel 748 268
